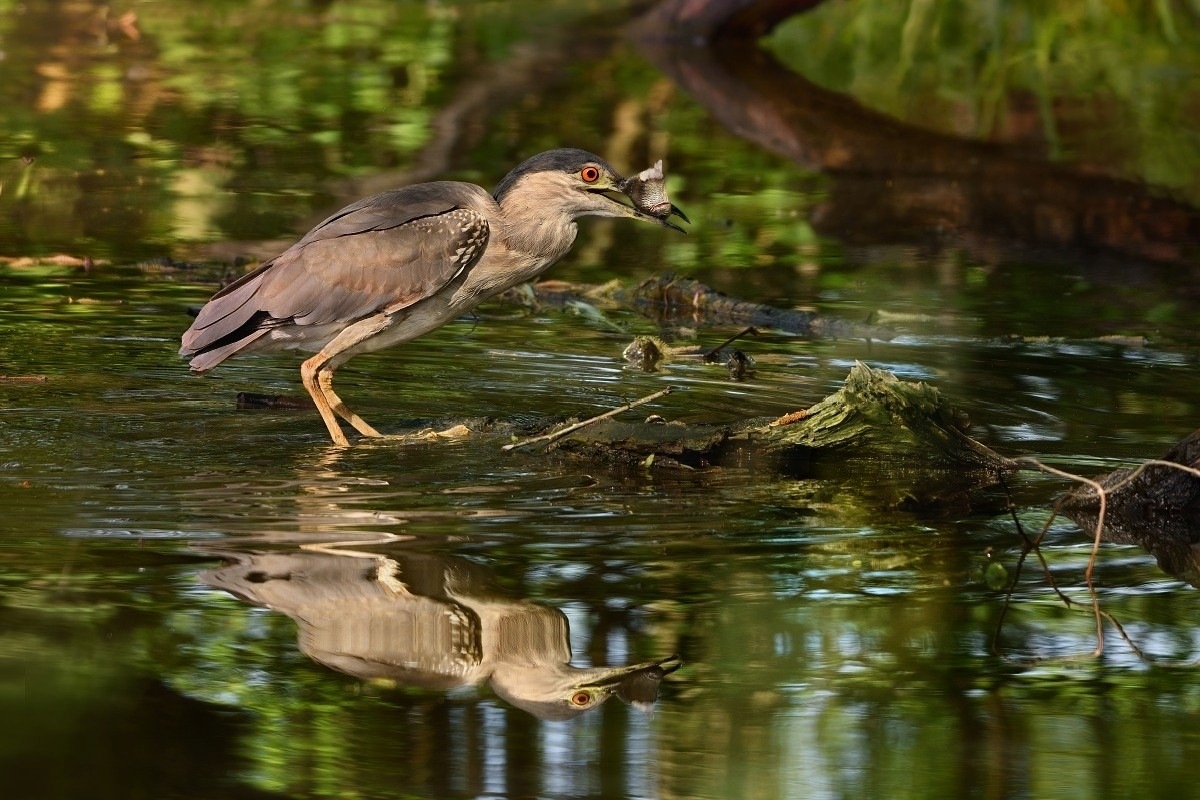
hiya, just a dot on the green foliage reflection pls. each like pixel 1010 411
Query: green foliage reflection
pixel 1040 74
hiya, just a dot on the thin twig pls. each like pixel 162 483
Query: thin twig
pixel 549 437
pixel 1129 641
pixel 1012 587
pixel 1102 493
pixel 1102 496
pixel 751 331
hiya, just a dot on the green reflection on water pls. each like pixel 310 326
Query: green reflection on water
pixel 1036 74
pixel 833 646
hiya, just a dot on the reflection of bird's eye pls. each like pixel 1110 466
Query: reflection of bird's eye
pixel 581 698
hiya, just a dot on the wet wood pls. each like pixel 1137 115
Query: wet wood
pixel 901 427
pixel 558 434
pixel 694 21
pixel 668 297
pixel 650 443
pixel 673 294
pixel 906 427
pixel 903 439
pixel 1154 505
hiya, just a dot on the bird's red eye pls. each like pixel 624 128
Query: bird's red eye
pixel 589 174
pixel 581 698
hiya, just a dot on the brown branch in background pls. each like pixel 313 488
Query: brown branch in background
pixel 703 21
pixel 486 90
pixel 892 178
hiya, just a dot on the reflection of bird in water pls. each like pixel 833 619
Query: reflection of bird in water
pixel 426 620
pixel 396 266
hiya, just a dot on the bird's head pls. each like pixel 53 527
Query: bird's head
pixel 576 183
pixel 560 691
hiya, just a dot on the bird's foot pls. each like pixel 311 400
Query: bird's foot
pixel 459 431
pixel 430 435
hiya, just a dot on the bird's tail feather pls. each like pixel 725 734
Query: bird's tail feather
pixel 212 356
pixel 227 323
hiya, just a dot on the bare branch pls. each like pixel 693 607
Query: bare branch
pixel 550 437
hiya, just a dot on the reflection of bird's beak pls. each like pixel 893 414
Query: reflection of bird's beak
pixel 548 690
pixel 605 677
pixel 636 684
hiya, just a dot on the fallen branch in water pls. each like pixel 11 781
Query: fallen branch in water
pixel 550 437
pixel 1155 505
pixel 903 442
pixel 907 437
pixel 672 297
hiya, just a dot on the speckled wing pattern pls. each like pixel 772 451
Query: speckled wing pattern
pixel 383 253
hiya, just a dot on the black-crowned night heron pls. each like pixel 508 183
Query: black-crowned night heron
pixel 398 265
pixel 431 621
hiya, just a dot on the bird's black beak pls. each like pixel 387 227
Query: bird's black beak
pixel 636 684
pixel 620 209
pixel 676 211
pixel 616 676
pixel 664 220
pixel 659 213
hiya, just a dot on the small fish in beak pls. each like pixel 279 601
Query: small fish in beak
pixel 648 191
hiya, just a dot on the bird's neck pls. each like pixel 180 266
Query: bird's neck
pixel 544 235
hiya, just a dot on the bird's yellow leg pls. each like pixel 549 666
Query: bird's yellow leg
pixel 325 381
pixel 317 374
pixel 310 372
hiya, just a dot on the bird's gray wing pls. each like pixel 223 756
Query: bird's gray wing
pixel 382 253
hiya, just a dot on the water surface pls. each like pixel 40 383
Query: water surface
pixel 834 645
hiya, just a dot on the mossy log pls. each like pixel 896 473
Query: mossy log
pixel 875 422
pixel 876 428
pixel 877 414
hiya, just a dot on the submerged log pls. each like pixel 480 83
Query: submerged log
pixel 902 436
pixel 670 293
pixel 901 431
pixel 1155 506
pixel 670 297
pixel 877 413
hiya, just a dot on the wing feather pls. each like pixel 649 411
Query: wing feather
pixel 383 252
